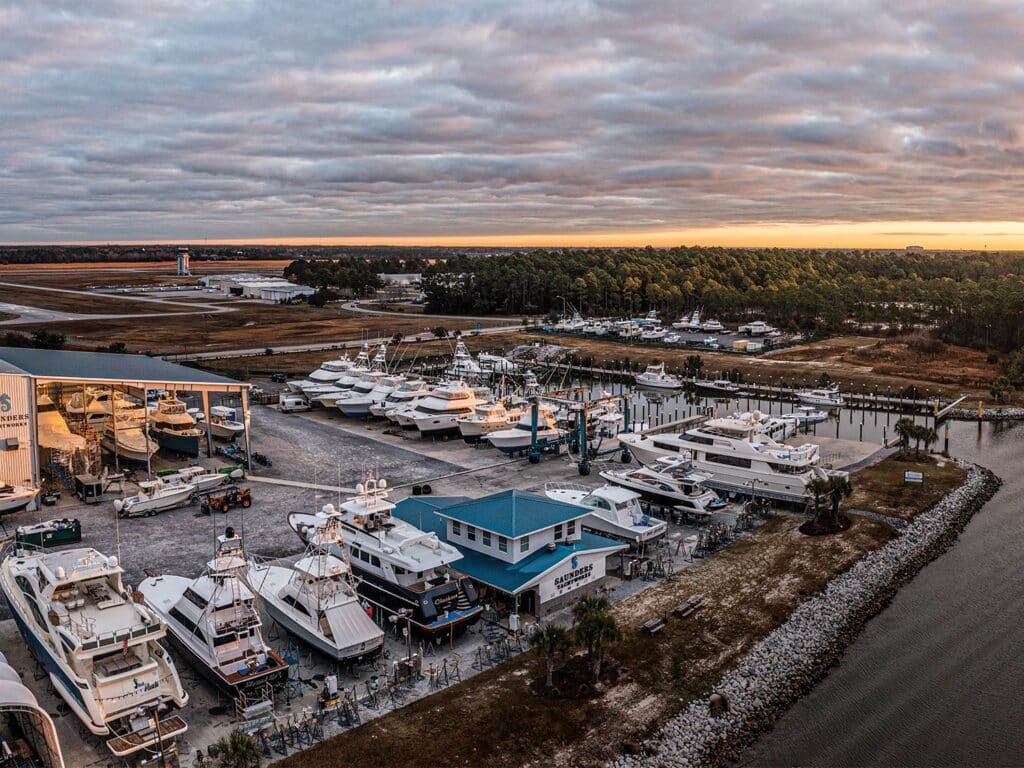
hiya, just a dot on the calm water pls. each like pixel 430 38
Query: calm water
pixel 933 680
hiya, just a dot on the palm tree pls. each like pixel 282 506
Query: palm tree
pixel 551 641
pixel 237 750
pixel 929 436
pixel 839 489
pixel 594 628
pixel 828 493
pixel 905 430
pixel 818 487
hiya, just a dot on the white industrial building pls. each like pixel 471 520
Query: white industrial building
pixel 250 285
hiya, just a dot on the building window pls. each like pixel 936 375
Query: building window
pixel 502 544
pixel 570 528
pixel 558 532
pixel 471 533
pixel 486 538
pixel 456 528
pixel 524 544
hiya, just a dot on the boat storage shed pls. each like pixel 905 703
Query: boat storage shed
pixel 26 375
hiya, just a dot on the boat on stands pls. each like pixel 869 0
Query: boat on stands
pixel 224 424
pixel 400 399
pixel 400 567
pixel 487 418
pixel 328 373
pixel 214 619
pixel 612 510
pixel 670 483
pixel 463 365
pixel 439 412
pixel 15 498
pixel 98 644
pixel 520 437
pixel 128 440
pixel 52 429
pixel 174 428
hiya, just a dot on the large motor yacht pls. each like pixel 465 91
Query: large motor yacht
pixel 399 400
pixel 97 642
pixel 399 566
pixel 738 457
pixel 655 377
pixel 214 619
pixel 174 428
pixel 670 483
pixel 829 397
pixel 439 412
pixel 128 440
pixel 315 599
pixel 328 373
pixel 612 510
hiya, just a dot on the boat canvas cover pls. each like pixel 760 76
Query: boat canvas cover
pixel 350 626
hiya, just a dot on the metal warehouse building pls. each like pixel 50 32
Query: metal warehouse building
pixel 29 377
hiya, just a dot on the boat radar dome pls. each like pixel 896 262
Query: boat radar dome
pixel 757 416
pixel 229 532
pixel 113 561
pixel 360 488
pixel 61 573
pixel 382 484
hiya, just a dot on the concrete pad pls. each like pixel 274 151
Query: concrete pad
pixel 838 452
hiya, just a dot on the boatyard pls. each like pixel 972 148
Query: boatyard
pixel 180 511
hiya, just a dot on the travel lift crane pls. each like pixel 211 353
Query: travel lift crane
pixel 576 439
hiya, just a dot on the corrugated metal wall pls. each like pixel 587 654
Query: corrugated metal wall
pixel 16 421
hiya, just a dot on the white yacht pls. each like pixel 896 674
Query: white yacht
pixel 712 326
pixel 328 398
pixel 688 322
pixel 399 565
pixel 670 483
pixel 328 373
pixel 805 414
pixel 14 498
pixel 496 365
pixel 827 397
pixel 315 599
pixel 463 365
pixel 85 405
pixel 375 389
pixel 354 375
pixel 214 619
pixel 128 440
pixel 399 399
pixel 52 430
pixel 200 478
pixel 656 333
pixel 487 418
pixel 739 458
pixel 655 377
pixel 154 496
pixel 776 427
pixel 224 423
pixel 520 437
pixel 757 328
pixel 439 412
pixel 99 645
pixel 694 324
pixel 627 329
pixel 612 510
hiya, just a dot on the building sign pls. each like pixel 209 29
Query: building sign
pixel 16 438
pixel 572 574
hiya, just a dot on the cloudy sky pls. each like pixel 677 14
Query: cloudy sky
pixel 550 120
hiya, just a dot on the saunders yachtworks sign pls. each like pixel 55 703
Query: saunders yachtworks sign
pixel 572 574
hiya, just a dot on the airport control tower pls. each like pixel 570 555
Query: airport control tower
pixel 183 270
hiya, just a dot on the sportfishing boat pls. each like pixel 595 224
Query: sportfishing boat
pixel 173 427
pixel 612 510
pixel 738 457
pixel 520 437
pixel 351 377
pixel 722 386
pixel 571 324
pixel 85 405
pixel 214 619
pixel 154 496
pixel 200 478
pixel 315 599
pixel 15 498
pixel 52 430
pixel 328 373
pixel 805 414
pixel 829 397
pixel 327 397
pixel 495 365
pixel 399 566
pixel 361 400
pixel 463 365
pixel 669 483
pixel 96 640
pixel 487 418
pixel 223 423
pixel 399 399
pixel 128 440
pixel 655 377
pixel 438 413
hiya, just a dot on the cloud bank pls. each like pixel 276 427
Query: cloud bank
pixel 224 119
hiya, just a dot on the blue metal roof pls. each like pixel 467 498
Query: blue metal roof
pixel 514 513
pixel 431 515
pixel 103 366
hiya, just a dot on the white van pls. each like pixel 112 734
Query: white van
pixel 289 402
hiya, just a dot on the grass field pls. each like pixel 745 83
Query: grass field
pixel 498 718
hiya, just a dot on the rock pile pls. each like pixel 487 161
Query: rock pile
pixel 988 414
pixel 787 663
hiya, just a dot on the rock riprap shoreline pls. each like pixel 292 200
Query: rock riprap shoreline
pixel 790 660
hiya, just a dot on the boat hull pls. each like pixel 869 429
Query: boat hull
pixel 319 643
pixel 185 444
pixel 634 535
pixel 125 452
pixel 224 432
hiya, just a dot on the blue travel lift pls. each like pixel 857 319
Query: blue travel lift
pixel 576 439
